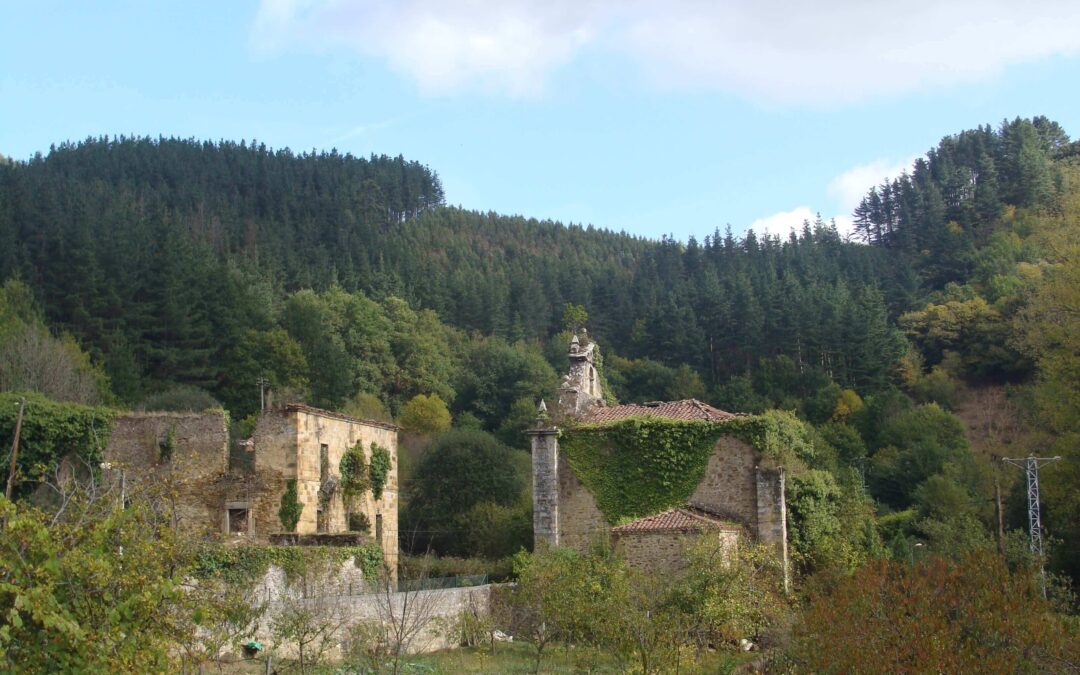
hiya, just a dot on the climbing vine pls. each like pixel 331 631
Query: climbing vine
pixel 51 431
pixel 291 508
pixel 354 471
pixel 242 565
pixel 379 469
pixel 640 466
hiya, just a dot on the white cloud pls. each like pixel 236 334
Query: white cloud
pixel 781 224
pixel 823 53
pixel 510 46
pixel 850 187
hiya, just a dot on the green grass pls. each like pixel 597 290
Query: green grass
pixel 519 658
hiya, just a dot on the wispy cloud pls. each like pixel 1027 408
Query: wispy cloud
pixel 824 53
pixel 362 130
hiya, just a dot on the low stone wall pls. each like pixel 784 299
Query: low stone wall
pixel 433 611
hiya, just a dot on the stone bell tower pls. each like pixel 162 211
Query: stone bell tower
pixel 581 389
pixel 580 392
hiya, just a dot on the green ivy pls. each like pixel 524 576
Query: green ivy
pixel 291 508
pixel 639 466
pixel 379 469
pixel 354 471
pixel 50 432
pixel 242 565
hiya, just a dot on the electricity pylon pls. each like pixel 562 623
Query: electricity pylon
pixel 1031 466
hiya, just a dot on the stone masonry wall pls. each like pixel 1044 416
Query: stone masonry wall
pixel 440 607
pixel 666 551
pixel 728 487
pixel 732 487
pixel 581 523
pixel 289 443
pixel 187 473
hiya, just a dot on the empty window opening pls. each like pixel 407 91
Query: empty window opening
pixel 238 521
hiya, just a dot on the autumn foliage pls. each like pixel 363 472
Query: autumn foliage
pixel 971 616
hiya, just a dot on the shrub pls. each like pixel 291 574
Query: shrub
pixel 378 469
pixel 938 616
pixel 182 398
pixel 291 508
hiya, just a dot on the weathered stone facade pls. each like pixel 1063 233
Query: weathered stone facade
pixel 184 457
pixel 669 550
pixel 581 389
pixel 306 444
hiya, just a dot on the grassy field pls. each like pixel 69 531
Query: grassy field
pixel 512 659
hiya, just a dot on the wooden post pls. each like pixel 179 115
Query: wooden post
pixel 15 450
pixel 1000 515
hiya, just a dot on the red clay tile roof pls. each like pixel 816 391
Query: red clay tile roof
pixel 679 519
pixel 689 409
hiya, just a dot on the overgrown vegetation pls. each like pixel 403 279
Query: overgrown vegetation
pixel 637 467
pixel 353 467
pixel 50 432
pixel 378 469
pixel 242 565
pixel 291 508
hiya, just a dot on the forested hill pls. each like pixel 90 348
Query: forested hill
pixel 158 254
pixel 132 266
pixel 143 249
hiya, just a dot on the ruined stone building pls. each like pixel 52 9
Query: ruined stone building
pixel 739 494
pixel 186 458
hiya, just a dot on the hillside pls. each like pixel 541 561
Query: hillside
pixel 349 282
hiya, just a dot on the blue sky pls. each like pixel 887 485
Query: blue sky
pixel 654 118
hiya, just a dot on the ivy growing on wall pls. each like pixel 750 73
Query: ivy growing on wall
pixel 379 469
pixel 242 565
pixel 51 431
pixel 291 508
pixel 354 471
pixel 639 466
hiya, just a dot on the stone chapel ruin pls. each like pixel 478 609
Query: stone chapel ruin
pixel 740 494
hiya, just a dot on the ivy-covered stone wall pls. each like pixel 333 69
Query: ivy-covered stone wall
pixel 52 431
pixel 616 472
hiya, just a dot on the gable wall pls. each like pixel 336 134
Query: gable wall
pixel 729 488
pixel 581 523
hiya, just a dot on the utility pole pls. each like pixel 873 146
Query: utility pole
pixel 1000 514
pixel 263 383
pixel 1030 465
pixel 15 449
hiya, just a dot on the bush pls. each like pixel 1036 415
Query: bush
pixel 359 522
pixel 291 508
pixel 461 469
pixel 181 398
pixel 971 616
